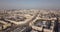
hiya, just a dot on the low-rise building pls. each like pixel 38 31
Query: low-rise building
pixel 43 24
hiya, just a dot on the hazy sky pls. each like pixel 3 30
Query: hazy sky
pixel 17 4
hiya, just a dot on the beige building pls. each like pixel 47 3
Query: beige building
pixel 4 25
pixel 43 24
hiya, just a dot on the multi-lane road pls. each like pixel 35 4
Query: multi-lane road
pixel 27 24
pixel 18 27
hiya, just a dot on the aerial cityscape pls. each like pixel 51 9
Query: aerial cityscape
pixel 29 20
pixel 29 15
